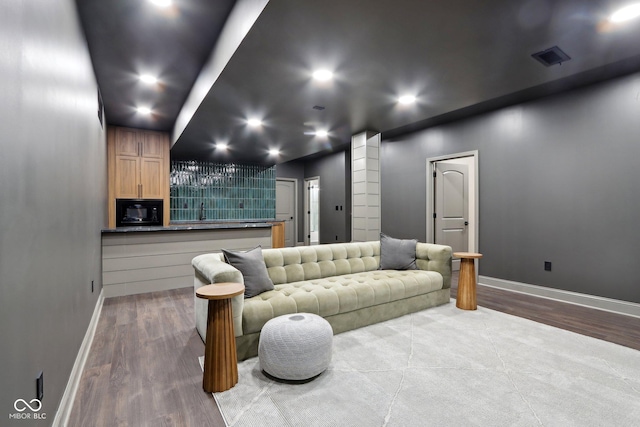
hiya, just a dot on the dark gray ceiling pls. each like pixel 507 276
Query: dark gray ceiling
pixel 131 37
pixel 454 56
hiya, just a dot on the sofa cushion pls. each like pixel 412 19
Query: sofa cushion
pixel 337 294
pixel 287 265
pixel 397 254
pixel 251 265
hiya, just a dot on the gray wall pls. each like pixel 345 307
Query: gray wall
pixel 332 169
pixel 53 190
pixel 558 179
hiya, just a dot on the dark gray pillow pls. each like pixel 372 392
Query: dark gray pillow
pixel 254 270
pixel 397 254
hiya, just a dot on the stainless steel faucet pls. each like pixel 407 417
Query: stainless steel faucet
pixel 202 216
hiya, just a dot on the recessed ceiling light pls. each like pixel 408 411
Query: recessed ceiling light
pixel 148 78
pixel 254 122
pixel 274 152
pixel 144 110
pixel 626 13
pixel 162 3
pixel 407 99
pixel 322 133
pixel 322 75
pixel 221 146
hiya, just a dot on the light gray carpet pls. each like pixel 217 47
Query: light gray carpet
pixel 448 367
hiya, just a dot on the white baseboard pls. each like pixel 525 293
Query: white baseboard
pixel 591 301
pixel 66 403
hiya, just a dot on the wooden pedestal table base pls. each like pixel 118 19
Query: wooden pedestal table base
pixel 466 298
pixel 220 359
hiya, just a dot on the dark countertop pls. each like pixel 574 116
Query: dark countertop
pixel 193 225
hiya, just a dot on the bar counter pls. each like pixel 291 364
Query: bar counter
pixel 146 259
pixel 192 225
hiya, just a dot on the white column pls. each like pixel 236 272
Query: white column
pixel 365 186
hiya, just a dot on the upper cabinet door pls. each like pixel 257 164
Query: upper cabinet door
pixel 127 142
pixel 127 177
pixel 152 145
pixel 152 178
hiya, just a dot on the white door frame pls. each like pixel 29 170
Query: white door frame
pixel 307 241
pixel 295 207
pixel 475 244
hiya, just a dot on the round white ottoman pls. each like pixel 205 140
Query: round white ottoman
pixel 295 347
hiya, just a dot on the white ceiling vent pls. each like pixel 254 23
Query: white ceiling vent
pixel 553 55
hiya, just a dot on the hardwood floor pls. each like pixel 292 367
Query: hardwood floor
pixel 143 367
pixel 604 325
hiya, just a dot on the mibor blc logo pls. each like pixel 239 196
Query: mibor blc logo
pixel 34 406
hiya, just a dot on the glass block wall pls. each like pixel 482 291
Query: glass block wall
pixel 222 191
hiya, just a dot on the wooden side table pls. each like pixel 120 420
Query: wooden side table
pixel 466 298
pixel 220 359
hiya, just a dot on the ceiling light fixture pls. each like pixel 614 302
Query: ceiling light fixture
pixel 626 13
pixel 221 146
pixel 321 133
pixel 407 99
pixel 162 3
pixel 148 78
pixel 254 122
pixel 274 152
pixel 144 110
pixel 322 75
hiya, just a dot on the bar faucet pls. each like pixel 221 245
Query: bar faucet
pixel 202 217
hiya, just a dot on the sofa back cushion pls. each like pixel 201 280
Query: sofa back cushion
pixel 287 265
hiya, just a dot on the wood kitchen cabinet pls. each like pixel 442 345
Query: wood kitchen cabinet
pixel 139 157
pixel 138 167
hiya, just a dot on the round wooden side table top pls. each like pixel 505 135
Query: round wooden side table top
pixel 472 255
pixel 220 358
pixel 222 290
pixel 466 297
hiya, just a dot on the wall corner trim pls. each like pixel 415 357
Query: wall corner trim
pixel 66 403
pixel 585 300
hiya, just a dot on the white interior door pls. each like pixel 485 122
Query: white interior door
pixel 285 209
pixel 451 207
pixel 312 210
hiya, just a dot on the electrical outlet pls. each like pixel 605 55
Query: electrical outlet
pixel 547 266
pixel 40 386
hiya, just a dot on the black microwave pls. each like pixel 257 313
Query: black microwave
pixel 133 212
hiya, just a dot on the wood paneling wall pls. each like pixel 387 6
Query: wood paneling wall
pixel 365 166
pixel 139 262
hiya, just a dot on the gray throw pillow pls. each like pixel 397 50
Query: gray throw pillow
pixel 397 254
pixel 254 270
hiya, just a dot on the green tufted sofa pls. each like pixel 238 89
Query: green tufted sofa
pixel 340 282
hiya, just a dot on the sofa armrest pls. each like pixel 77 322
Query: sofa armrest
pixel 215 270
pixel 435 258
pixel 209 269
